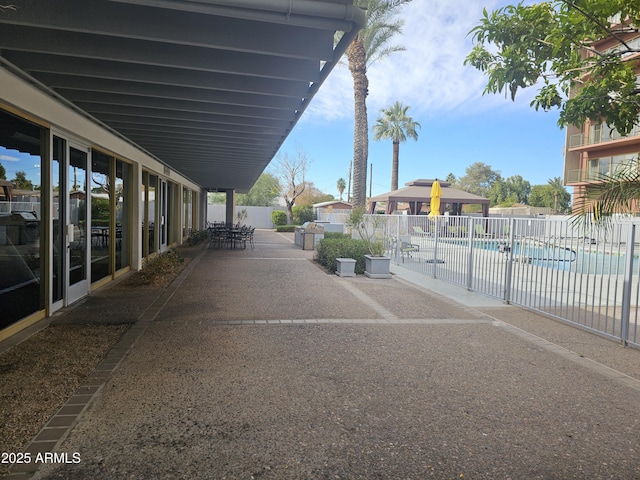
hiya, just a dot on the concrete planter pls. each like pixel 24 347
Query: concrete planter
pixel 346 267
pixel 377 267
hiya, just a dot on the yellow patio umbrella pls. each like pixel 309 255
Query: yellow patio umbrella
pixel 436 193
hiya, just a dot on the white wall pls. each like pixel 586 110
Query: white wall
pixel 259 217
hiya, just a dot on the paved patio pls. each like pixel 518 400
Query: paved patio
pixel 258 364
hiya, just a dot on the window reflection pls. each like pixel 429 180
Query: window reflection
pixel 21 289
pixel 100 216
pixel 123 200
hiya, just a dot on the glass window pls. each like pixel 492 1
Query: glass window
pixel 148 199
pixel 100 216
pixel 58 219
pixel 151 198
pixel 21 289
pixel 122 206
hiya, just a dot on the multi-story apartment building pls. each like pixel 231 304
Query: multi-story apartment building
pixel 595 149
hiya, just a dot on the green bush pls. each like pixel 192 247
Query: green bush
pixel 302 214
pixel 279 217
pixel 196 237
pixel 334 235
pixel 285 228
pixel 328 249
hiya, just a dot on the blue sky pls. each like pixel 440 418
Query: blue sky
pixel 459 126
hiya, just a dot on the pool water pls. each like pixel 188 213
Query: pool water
pixel 563 258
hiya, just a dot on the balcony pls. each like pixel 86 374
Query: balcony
pixel 578 176
pixel 600 134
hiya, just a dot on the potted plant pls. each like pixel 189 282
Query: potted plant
pixel 345 267
pixel 377 264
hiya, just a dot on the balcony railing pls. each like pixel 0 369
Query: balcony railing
pixel 600 136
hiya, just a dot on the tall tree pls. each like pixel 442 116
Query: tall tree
pixel 395 125
pixel 22 182
pixel 312 195
pixel 292 172
pixel 341 185
pixel 370 45
pixel 552 195
pixel 263 193
pixel 549 44
pixel 478 179
pixel 451 178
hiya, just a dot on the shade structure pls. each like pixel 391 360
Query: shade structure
pixel 418 192
pixel 436 194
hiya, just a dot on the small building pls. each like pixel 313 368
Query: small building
pixel 332 206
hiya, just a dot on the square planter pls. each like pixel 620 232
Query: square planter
pixel 346 267
pixel 377 267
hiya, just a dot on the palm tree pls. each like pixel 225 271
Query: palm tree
pixel 395 125
pixel 370 45
pixel 618 192
pixel 341 185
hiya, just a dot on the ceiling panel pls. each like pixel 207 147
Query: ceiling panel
pixel 211 88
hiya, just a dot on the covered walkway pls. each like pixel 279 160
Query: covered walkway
pixel 258 364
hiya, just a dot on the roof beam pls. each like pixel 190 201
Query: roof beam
pixel 36 63
pixel 173 26
pixel 72 44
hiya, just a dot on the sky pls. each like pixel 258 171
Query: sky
pixel 459 126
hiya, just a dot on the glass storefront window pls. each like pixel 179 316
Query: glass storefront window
pixel 100 216
pixel 122 203
pixel 21 252
pixel 58 220
pixel 151 199
pixel 148 199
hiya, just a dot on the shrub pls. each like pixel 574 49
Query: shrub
pixel 328 249
pixel 279 217
pixel 196 237
pixel 334 235
pixel 285 228
pixel 302 214
pixel 162 268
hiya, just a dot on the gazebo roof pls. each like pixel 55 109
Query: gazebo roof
pixel 420 191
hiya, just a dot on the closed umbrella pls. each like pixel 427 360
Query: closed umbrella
pixel 436 193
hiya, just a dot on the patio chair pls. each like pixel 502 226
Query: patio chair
pixel 247 236
pixel 481 232
pixel 407 248
pixel 420 231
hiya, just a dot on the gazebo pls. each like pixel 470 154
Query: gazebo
pixel 418 192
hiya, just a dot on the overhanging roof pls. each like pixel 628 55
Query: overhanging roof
pixel 209 87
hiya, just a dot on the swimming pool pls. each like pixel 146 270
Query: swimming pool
pixel 573 258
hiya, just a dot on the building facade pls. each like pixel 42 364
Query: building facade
pixel 595 149
pixel 92 207
pixel 116 119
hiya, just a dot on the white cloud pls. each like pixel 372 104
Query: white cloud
pixel 7 158
pixel 430 75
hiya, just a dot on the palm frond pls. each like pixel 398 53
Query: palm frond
pixel 618 192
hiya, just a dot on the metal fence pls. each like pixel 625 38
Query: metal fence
pixel 585 276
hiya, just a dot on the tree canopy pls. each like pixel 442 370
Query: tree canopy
pixel 551 45
pixel 478 179
pixel 22 182
pixel 552 195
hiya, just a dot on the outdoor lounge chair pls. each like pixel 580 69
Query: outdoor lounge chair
pixel 481 232
pixel 407 248
pixel 420 231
